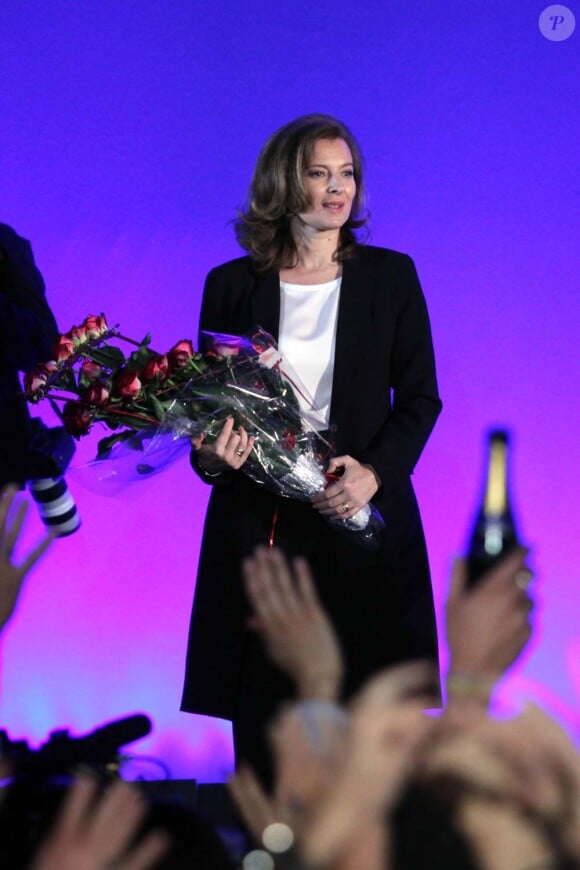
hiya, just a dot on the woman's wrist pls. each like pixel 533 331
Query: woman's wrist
pixel 198 464
pixel 374 474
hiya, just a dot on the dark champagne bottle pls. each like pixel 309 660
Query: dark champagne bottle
pixel 494 532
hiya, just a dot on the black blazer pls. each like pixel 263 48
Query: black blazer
pixel 384 399
pixel 384 404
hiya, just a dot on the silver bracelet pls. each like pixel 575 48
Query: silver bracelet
pixel 210 473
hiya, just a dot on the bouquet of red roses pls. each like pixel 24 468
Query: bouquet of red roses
pixel 154 402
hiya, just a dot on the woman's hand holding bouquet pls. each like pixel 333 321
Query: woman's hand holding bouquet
pixel 236 404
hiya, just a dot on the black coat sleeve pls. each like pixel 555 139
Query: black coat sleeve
pixel 28 330
pixel 211 319
pixel 28 334
pixel 397 446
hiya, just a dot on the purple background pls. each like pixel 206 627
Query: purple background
pixel 129 132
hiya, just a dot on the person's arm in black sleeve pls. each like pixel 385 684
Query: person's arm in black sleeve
pixel 27 325
pixel 416 403
pixel 209 316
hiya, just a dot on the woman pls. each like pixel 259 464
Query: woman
pixel 351 319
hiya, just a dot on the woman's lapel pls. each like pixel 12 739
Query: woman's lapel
pixel 265 302
pixel 353 329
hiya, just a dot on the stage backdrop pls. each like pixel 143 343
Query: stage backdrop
pixel 129 132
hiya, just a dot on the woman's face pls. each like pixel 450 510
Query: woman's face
pixel 330 185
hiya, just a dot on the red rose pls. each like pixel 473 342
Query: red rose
pixel 37 378
pixel 78 335
pixel 64 348
pixel 90 369
pixel 77 418
pixel 95 325
pixel 180 354
pixel 127 384
pixel 96 394
pixel 155 365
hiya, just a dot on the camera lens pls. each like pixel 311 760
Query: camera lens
pixel 56 505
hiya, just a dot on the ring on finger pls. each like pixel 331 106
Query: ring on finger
pixel 345 507
pixel 240 451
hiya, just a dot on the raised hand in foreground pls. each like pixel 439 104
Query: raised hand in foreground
pixel 296 630
pixel 339 772
pixel 513 788
pixel 96 832
pixel 487 627
pixel 11 575
pixel 349 826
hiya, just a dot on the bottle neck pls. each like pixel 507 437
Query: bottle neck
pixel 495 502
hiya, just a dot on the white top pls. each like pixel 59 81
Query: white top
pixel 307 338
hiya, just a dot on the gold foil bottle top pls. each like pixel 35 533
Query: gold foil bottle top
pixel 495 502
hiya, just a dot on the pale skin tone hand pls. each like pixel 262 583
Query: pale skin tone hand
pixel 256 807
pixel 520 781
pixel 366 848
pixel 334 795
pixel 409 681
pixel 12 576
pixel 94 832
pixel 386 733
pixel 301 641
pixel 345 496
pixel 306 740
pixel 501 837
pixel 348 830
pixel 229 451
pixel 489 625
pixel 546 769
pixel 297 632
pixel 487 812
pixel 303 771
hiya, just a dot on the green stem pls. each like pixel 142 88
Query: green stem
pixel 119 412
pixel 135 343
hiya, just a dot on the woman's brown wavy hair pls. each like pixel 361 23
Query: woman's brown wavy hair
pixel 277 192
